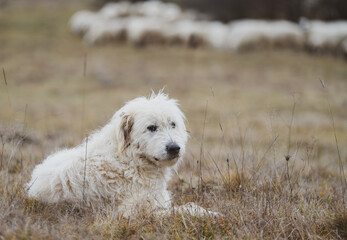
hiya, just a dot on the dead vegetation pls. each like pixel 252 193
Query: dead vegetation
pixel 262 150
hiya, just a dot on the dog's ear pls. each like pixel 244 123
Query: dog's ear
pixel 126 125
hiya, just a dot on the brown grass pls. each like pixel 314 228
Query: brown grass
pixel 269 165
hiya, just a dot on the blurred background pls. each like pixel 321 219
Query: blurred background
pixel 227 10
pixel 70 64
pixel 247 73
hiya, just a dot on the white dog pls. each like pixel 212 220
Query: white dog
pixel 127 163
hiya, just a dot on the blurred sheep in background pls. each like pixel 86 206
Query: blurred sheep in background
pixel 325 35
pixel 81 21
pixel 155 22
pixel 116 10
pixel 253 32
pixel 102 30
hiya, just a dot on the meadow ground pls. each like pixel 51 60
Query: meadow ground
pixel 262 149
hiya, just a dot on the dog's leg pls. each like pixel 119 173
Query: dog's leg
pixel 195 210
pixel 188 209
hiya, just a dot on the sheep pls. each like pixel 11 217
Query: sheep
pixel 82 20
pixel 157 9
pixel 157 22
pixel 140 27
pixel 248 32
pixel 103 30
pixel 115 10
pixel 326 35
pixel 185 31
pixel 215 34
pixel 141 22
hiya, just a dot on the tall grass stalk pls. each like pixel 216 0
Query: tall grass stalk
pixel 83 95
pixel 7 92
pixel 341 169
pixel 85 172
pixel 201 149
pixel 288 156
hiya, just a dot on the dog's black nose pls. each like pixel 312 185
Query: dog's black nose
pixel 172 149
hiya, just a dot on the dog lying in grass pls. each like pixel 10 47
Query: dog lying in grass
pixel 127 163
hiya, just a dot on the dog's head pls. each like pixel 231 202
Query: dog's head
pixel 152 129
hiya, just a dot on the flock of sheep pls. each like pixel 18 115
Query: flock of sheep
pixel 154 22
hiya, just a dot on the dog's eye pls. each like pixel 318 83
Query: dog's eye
pixel 152 128
pixel 173 125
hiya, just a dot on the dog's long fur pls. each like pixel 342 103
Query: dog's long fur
pixel 126 164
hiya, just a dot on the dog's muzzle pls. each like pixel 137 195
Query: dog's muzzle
pixel 172 150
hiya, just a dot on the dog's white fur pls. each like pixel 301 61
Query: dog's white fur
pixel 126 163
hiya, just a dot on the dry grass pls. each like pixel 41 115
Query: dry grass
pixel 262 149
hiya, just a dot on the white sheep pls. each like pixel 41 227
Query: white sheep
pixel 82 20
pixel 103 30
pixel 184 30
pixel 254 31
pixel 138 27
pixel 157 9
pixel 155 20
pixel 114 10
pixel 326 34
pixel 215 34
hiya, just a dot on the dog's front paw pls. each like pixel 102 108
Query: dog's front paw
pixel 195 210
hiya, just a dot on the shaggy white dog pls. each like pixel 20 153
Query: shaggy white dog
pixel 127 163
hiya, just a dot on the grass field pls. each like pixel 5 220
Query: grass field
pixel 260 124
